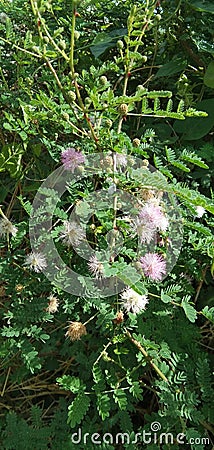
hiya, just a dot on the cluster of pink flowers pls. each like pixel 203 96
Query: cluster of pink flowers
pixel 150 219
pixel 153 265
pixel 71 159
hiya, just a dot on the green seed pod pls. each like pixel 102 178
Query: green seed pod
pixel 46 39
pixel 120 44
pixel 158 17
pixel 123 109
pixel 72 96
pixel 103 80
pixel 136 142
pixel 144 58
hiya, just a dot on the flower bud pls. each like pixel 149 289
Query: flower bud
pixel 103 80
pixel 19 287
pixel 145 162
pixel 131 160
pixel 108 123
pixel 107 163
pixel 120 44
pixel 76 34
pixel 144 58
pixel 87 101
pixel 3 17
pixel 123 109
pixel 72 96
pixel 65 116
pixel 136 142
pixel 62 44
pixel 141 89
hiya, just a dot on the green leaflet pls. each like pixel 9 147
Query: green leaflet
pixel 78 409
pixel 209 75
pixel 202 5
pixel 189 310
pixel 172 67
pixel 195 128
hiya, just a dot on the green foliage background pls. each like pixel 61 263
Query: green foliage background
pixel 156 366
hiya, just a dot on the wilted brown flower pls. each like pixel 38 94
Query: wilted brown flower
pixel 19 287
pixel 75 331
pixel 119 318
pixel 53 304
pixel 6 227
pixel 146 194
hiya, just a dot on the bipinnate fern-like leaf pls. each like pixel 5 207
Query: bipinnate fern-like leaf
pixel 204 378
pixel 78 409
pixel 169 106
pixel 36 416
pixel 189 310
pixel 208 313
pixel 192 158
pixel 120 398
pixel 103 405
pixel 125 421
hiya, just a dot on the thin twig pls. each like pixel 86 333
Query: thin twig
pixel 144 352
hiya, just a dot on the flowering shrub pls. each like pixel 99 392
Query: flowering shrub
pixel 107 254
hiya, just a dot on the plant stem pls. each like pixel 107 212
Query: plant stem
pixel 36 55
pixel 147 357
pixel 72 68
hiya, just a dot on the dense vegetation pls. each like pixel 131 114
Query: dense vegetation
pixel 106 224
